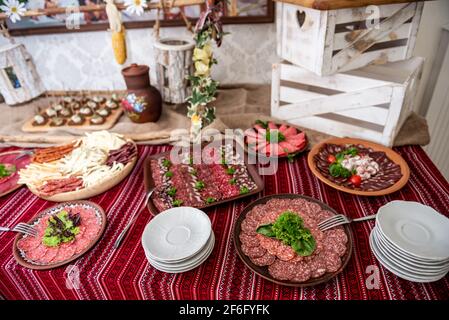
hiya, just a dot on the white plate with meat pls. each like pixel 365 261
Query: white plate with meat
pixel 277 237
pixel 64 233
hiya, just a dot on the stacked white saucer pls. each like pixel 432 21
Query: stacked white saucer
pixel 412 241
pixel 178 240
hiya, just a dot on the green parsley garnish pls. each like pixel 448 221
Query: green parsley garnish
pixel 230 170
pixel 199 185
pixel 6 171
pixel 168 174
pixel 232 181
pixel 177 203
pixel 336 169
pixel 171 192
pixel 244 190
pixel 289 228
pixel 166 163
pixel 210 200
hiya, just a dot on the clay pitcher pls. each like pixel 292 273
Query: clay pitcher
pixel 143 102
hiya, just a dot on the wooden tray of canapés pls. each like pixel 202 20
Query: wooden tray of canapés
pixel 65 232
pixel 221 174
pixel 71 112
pixel 321 258
pixel 82 169
pixel 358 166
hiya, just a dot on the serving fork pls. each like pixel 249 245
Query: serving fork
pixel 340 219
pixel 22 228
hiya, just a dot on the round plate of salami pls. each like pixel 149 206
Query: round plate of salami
pixel 359 167
pixel 278 238
pixel 10 163
pixel 64 233
pixel 81 169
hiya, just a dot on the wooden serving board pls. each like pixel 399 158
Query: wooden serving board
pixel 86 126
pixel 150 184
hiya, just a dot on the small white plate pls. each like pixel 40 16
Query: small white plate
pixel 435 265
pixel 186 263
pixel 415 228
pixel 400 262
pixel 395 270
pixel 184 269
pixel 176 234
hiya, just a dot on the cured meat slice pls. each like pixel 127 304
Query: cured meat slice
pixel 282 128
pixel 272 126
pixel 51 253
pixel 284 252
pixel 333 261
pixel 28 243
pixel 264 260
pixel 249 226
pixel 287 147
pixel 91 231
pixel 269 244
pixel 66 251
pixel 290 131
pixel 256 213
pixel 37 253
pixel 302 272
pixel 282 270
pixel 81 244
pixel 253 252
pixel 249 240
pixel 317 266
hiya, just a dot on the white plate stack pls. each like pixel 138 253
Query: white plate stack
pixel 412 241
pixel 178 240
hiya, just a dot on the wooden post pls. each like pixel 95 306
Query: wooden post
pixel 173 65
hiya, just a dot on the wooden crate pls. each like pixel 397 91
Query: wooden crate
pixel 331 41
pixel 369 103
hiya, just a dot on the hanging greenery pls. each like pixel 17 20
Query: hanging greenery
pixel 204 88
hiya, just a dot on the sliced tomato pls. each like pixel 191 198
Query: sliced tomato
pixel 331 158
pixel 356 180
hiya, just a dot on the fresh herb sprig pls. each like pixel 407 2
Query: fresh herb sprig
pixel 289 228
pixel 336 169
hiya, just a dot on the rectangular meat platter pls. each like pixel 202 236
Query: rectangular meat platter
pixel 188 182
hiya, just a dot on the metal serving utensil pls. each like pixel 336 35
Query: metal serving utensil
pixel 22 228
pixel 134 218
pixel 340 219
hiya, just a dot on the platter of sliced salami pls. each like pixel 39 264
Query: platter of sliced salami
pixel 200 178
pixel 278 238
pixel 64 233
pixel 81 169
pixel 359 167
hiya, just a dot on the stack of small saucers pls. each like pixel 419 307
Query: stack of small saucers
pixel 178 240
pixel 412 241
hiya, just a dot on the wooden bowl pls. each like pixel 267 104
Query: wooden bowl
pixel 91 191
pixel 20 260
pixel 263 271
pixel 395 157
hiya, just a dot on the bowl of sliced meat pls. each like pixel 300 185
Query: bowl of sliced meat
pixel 64 233
pixel 359 167
pixel 278 238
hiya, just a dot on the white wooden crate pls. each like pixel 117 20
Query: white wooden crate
pixel 369 103
pixel 331 41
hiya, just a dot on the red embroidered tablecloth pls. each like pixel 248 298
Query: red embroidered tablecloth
pixel 126 274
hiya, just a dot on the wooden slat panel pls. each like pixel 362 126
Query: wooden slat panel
pixel 361 14
pixel 343 39
pixel 341 4
pixel 340 82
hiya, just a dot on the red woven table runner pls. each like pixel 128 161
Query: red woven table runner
pixel 126 274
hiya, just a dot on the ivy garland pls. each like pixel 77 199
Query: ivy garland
pixel 204 88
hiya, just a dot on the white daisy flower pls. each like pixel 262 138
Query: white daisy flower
pixel 136 6
pixel 13 9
